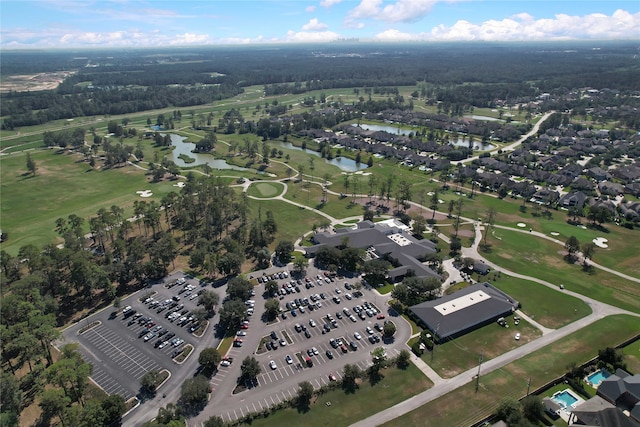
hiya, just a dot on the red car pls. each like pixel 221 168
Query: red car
pixel 380 316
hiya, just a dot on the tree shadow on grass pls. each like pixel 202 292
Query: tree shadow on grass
pixel 302 407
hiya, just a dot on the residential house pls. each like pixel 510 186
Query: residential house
pixel 598 173
pixel 610 188
pixel 622 390
pixel 598 412
pixel 575 198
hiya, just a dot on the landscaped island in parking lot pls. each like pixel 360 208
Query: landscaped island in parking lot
pixel 330 243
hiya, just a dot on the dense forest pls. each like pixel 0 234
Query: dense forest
pixel 110 82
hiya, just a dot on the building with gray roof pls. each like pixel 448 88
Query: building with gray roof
pixel 387 240
pixel 463 311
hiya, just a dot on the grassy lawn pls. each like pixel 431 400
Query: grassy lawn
pixel 63 186
pixel 543 259
pixel 457 355
pixel 265 189
pixel 464 406
pixel 292 221
pixel 396 386
pixel 415 329
pixel 622 254
pixel 551 308
pixel 632 357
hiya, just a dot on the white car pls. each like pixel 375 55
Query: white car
pixel 241 334
pixel 273 365
pixel 312 323
pixel 357 335
pixel 315 351
pixel 517 336
pixel 289 359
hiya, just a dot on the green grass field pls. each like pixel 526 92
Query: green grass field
pixel 63 186
pixel 265 189
pixel 549 307
pixel 292 221
pixel 396 386
pixel 464 406
pixel 457 355
pixel 632 357
pixel 543 259
pixel 622 254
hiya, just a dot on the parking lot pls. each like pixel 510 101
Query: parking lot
pixel 317 340
pixel 141 337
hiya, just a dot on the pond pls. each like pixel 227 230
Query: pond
pixel 487 118
pixel 477 145
pixel 388 129
pixel 185 148
pixel 344 164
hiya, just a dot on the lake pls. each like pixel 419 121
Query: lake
pixel 477 145
pixel 389 129
pixel 344 164
pixel 185 148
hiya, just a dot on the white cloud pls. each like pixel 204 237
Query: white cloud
pixel 395 36
pixel 366 9
pixel 620 25
pixel 311 36
pixel 329 3
pixel 310 9
pixel 314 25
pixel 190 39
pixel 400 11
pixel 406 10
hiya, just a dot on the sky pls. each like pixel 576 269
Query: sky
pixel 30 24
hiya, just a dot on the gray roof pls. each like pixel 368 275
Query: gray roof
pixel 367 234
pixel 551 405
pixel 472 315
pixel 619 384
pixel 611 388
pixel 598 412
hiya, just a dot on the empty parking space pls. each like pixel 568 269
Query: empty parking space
pixel 114 356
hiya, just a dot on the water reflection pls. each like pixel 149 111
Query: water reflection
pixel 182 147
pixel 389 129
pixel 345 164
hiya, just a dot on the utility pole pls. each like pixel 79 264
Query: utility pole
pixel 478 376
pixel 433 349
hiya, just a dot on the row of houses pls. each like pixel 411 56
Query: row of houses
pixel 616 404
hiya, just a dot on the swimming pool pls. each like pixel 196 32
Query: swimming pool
pixel 565 398
pixel 597 377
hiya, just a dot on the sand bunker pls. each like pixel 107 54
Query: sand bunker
pixel 554 233
pixel 144 193
pixel 600 242
pixel 180 184
pixel 521 225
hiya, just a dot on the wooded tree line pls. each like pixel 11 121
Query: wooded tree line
pixel 45 287
pixel 32 108
pixel 220 73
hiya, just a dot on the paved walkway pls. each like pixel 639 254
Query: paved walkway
pixel 543 329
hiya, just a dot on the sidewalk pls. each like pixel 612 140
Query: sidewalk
pixel 426 369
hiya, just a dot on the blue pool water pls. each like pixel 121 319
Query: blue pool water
pixel 565 398
pixel 597 377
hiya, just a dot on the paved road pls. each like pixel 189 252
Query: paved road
pixel 599 311
pixel 170 391
pixel 513 145
pixel 282 383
